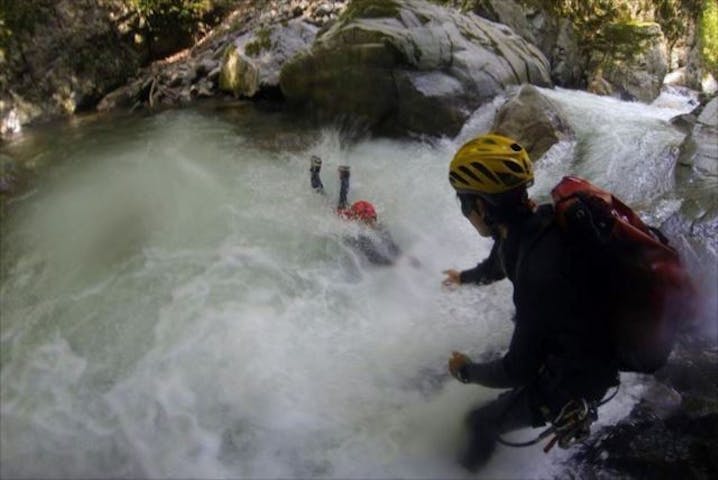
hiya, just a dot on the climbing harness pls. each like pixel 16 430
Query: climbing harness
pixel 571 425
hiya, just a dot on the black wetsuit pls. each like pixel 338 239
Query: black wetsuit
pixel 376 245
pixel 559 349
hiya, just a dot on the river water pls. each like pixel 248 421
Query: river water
pixel 176 302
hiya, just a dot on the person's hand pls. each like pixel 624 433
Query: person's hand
pixel 457 362
pixel 453 278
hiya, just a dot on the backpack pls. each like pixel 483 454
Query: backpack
pixel 651 292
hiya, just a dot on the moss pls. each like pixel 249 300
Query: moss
pixel 370 9
pixel 262 41
pixel 709 36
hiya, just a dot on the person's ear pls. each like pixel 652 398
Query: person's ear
pixel 479 206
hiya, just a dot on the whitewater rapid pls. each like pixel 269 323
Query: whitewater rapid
pixel 177 302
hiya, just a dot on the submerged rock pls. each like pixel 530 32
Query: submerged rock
pixel 410 66
pixel 533 120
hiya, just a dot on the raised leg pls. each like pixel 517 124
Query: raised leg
pixel 344 174
pixel 314 170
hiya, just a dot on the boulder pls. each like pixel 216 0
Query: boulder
pixel 509 13
pixel 533 121
pixel 238 74
pixel 253 61
pixel 700 148
pixel 410 66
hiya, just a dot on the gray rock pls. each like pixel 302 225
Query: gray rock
pixel 509 13
pixel 700 148
pixel 238 74
pixel 533 121
pixel 555 37
pixel 566 59
pixel 410 66
pixel 254 60
pixel 709 115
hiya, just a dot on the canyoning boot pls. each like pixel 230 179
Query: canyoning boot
pixel 316 164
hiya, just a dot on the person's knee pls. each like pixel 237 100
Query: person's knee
pixel 479 418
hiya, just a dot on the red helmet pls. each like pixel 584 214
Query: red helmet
pixel 363 210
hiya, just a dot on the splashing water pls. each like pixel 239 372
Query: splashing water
pixel 176 302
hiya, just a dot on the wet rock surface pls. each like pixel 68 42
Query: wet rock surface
pixel 533 120
pixel 220 63
pixel 410 66
pixel 654 443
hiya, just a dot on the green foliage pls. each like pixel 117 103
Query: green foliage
pixel 160 13
pixel 22 16
pixel 370 9
pixel 709 36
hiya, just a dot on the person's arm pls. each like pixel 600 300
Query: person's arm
pixel 543 300
pixel 489 374
pixel 517 367
pixel 488 271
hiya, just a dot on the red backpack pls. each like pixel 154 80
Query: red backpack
pixel 655 292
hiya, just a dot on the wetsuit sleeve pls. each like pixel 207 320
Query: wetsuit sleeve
pixel 525 356
pixel 488 271
pixel 489 374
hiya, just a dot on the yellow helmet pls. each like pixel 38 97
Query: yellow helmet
pixel 489 165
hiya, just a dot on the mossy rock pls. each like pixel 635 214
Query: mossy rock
pixel 237 74
pixel 410 66
pixel 370 9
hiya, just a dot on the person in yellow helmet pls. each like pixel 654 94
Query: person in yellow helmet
pixel 556 354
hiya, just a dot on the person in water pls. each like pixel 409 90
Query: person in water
pixel 558 352
pixel 375 243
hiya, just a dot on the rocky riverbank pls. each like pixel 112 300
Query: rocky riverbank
pixel 93 48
